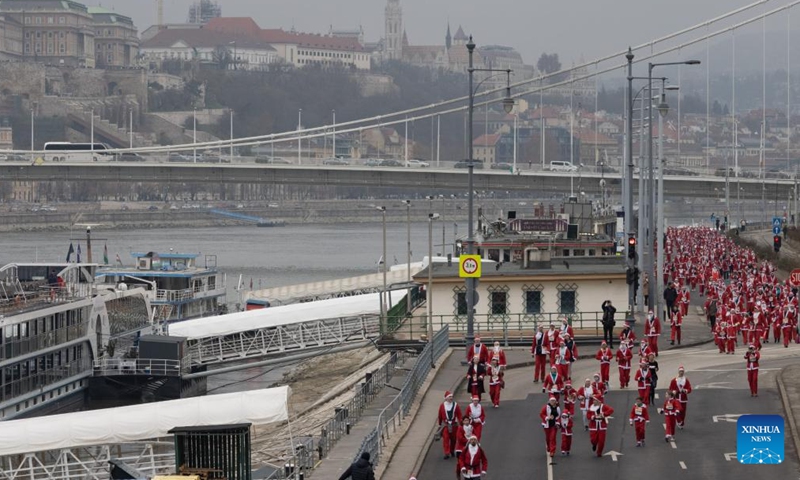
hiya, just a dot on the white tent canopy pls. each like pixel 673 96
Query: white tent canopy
pixel 368 304
pixel 141 422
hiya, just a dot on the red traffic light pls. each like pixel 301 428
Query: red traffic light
pixel 777 239
pixel 632 241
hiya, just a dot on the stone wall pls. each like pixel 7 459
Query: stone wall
pixel 209 116
pixel 24 79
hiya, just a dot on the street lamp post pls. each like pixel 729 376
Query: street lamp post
pixel 628 201
pixel 663 109
pixel 514 166
pixel 651 224
pixel 508 106
pixel 408 264
pixel 383 257
pixel 429 292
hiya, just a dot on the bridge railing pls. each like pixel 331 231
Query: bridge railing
pixel 350 413
pixel 505 327
pixel 393 415
pixel 136 366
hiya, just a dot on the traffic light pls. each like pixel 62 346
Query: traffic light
pixel 629 276
pixel 632 248
pixel 776 243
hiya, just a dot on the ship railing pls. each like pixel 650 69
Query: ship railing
pixel 43 296
pixel 12 346
pixel 174 295
pixel 35 381
pixel 105 367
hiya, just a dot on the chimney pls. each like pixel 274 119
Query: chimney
pixel 537 259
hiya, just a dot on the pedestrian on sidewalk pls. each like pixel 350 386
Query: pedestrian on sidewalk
pixel 670 296
pixel 566 424
pixel 598 424
pixel 496 381
pixel 449 418
pixel 473 461
pixel 608 322
pixel 683 388
pixel 360 470
pixel 639 418
pixel 539 355
pixel 752 357
pixel 550 415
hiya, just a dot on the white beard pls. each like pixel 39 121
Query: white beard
pixel 473 450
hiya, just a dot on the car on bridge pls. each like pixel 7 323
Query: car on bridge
pixel 465 164
pixel 178 157
pixel 390 163
pixel 417 164
pixel 130 157
pixel 559 166
pixel 335 161
pixel 373 162
pixel 502 166
pixel 273 160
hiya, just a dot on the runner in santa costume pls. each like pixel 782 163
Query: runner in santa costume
pixel 570 397
pixel 675 323
pixel 652 329
pixel 563 360
pixel 475 373
pixel 499 353
pixel 462 435
pixel 624 357
pixel 683 388
pixel 477 414
pixel 752 357
pixel 449 418
pixel 639 418
pixel 786 330
pixel 565 424
pixel 539 354
pixel 721 336
pixel 496 382
pixel 552 340
pixel 573 350
pixel 644 350
pixel 472 461
pixel 585 394
pixel 553 383
pixel 599 386
pixel 627 334
pixel 670 412
pixel 598 424
pixel 642 380
pixel 479 349
pixel 730 334
pixel 604 356
pixel 550 415
pixel 566 329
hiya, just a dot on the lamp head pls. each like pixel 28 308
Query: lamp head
pixel 663 108
pixel 407 202
pixel 470 44
pixel 508 104
pixel 382 209
pixel 433 216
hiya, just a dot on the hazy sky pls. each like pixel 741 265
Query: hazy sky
pixel 572 28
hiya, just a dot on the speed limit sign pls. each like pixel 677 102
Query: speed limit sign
pixel 469 266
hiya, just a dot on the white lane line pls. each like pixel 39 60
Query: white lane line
pixel 673 444
pixel 656 397
pixel 549 468
pixel 683 465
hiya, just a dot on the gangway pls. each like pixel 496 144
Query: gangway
pixel 281 331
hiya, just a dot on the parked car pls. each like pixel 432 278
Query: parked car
pixel 465 164
pixel 335 161
pixel 152 208
pixel 390 163
pixel 178 157
pixel 273 160
pixel 417 164
pixel 130 157
pixel 502 166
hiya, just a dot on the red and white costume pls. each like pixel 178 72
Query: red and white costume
pixel 472 462
pixel 604 356
pixel 495 374
pixel 478 349
pixel 639 418
pixel 462 437
pixel 683 387
pixel 675 323
pixel 624 356
pixel 477 414
pixel 652 329
pixel 539 353
pixel 642 380
pixel 671 409
pixel 565 424
pixel 563 360
pixel 752 358
pixel 552 340
pixel 553 384
pixel 550 415
pixel 598 425
pixel 500 354
pixel 449 419
pixel 585 395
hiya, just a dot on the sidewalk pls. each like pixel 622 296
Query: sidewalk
pixel 342 454
pixel 789 389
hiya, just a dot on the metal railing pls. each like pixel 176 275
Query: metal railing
pixel 350 413
pixel 14 346
pixel 300 460
pixel 506 327
pixel 136 366
pixel 393 415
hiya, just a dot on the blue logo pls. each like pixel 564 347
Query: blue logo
pixel 759 439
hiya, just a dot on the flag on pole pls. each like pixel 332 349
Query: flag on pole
pixel 70 252
pixel 105 254
pixel 79 253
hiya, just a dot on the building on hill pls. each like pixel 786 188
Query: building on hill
pixel 210 47
pixel 116 40
pixel 394 30
pixel 10 38
pixel 202 11
pixel 354 33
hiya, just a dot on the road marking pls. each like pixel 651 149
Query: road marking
pixel 673 444
pixel 729 456
pixel 549 468
pixel 656 397
pixel 736 370
pixel 728 417
pixel 612 454
pixel 683 465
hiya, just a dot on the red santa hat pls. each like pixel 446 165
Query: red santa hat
pixel 681 368
pixel 475 397
pixel 448 394
pixel 565 415
pixel 568 382
pixel 552 398
pixel 597 397
pixel 603 344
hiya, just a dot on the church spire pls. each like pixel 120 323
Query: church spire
pixel 448 40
